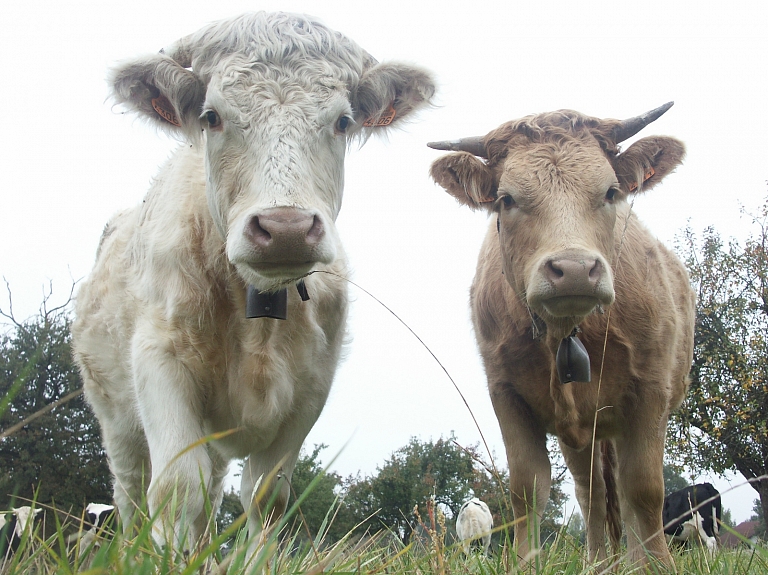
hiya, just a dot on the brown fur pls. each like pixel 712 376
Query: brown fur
pixel 558 185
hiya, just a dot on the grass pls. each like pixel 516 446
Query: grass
pixel 289 551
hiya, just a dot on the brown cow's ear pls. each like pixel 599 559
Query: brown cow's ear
pixel 646 162
pixel 467 178
pixel 390 92
pixel 162 91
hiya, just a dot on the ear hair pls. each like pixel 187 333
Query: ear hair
pixel 647 162
pixel 467 178
pixel 136 83
pixel 404 87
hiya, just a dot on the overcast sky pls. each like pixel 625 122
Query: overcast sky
pixel 69 161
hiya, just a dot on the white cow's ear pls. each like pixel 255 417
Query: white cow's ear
pixel 467 178
pixel 648 161
pixel 390 92
pixel 160 90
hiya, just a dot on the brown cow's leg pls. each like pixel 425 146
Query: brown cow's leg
pixel 529 467
pixel 641 485
pixel 582 467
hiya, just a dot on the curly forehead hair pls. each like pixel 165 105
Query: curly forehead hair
pixel 552 127
pixel 280 39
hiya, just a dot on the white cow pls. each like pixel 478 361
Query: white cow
pixel 474 523
pixel 22 519
pixel 267 104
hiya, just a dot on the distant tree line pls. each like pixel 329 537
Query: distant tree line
pixel 395 498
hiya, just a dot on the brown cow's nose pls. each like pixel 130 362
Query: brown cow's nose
pixel 574 276
pixel 284 232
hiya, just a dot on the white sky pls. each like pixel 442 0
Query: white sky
pixel 68 162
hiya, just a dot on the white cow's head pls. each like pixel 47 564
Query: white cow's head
pixel 274 99
pixel 25 517
pixel 556 183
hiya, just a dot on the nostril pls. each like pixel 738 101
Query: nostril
pixel 256 233
pixel 553 270
pixel 596 272
pixel 316 232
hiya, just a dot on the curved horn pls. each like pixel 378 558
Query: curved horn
pixel 632 126
pixel 474 145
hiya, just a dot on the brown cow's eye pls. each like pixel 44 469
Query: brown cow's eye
pixel 508 201
pixel 342 124
pixel 213 119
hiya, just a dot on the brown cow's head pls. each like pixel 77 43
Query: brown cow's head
pixel 557 183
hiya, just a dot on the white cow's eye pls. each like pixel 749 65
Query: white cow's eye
pixel 213 119
pixel 343 123
pixel 610 194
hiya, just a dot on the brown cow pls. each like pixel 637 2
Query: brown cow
pixel 565 255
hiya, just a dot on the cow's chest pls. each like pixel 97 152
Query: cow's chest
pixel 268 378
pixel 534 378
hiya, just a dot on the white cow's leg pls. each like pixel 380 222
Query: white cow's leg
pixel 265 490
pixel 587 473
pixel 130 465
pixel 281 458
pixel 170 409
pixel 124 441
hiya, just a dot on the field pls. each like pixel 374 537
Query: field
pixel 288 549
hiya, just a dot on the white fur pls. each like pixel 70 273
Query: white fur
pixel 25 517
pixel 693 530
pixel 166 353
pixel 474 522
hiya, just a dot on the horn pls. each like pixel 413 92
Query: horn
pixel 180 52
pixel 632 126
pixel 474 145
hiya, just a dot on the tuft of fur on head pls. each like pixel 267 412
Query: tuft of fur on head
pixel 556 127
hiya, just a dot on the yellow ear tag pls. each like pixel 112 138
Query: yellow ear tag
pixel 648 175
pixel 165 110
pixel 384 120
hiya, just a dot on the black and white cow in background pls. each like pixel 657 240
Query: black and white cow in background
pixel 13 527
pixel 94 520
pixel 694 513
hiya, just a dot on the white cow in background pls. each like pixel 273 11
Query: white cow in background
pixel 267 104
pixel 22 519
pixel 474 525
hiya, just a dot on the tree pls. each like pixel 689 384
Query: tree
pixel 318 511
pixel 443 470
pixel 673 481
pixel 58 456
pixel 229 511
pixel 722 425
pixel 412 475
pixel 758 514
